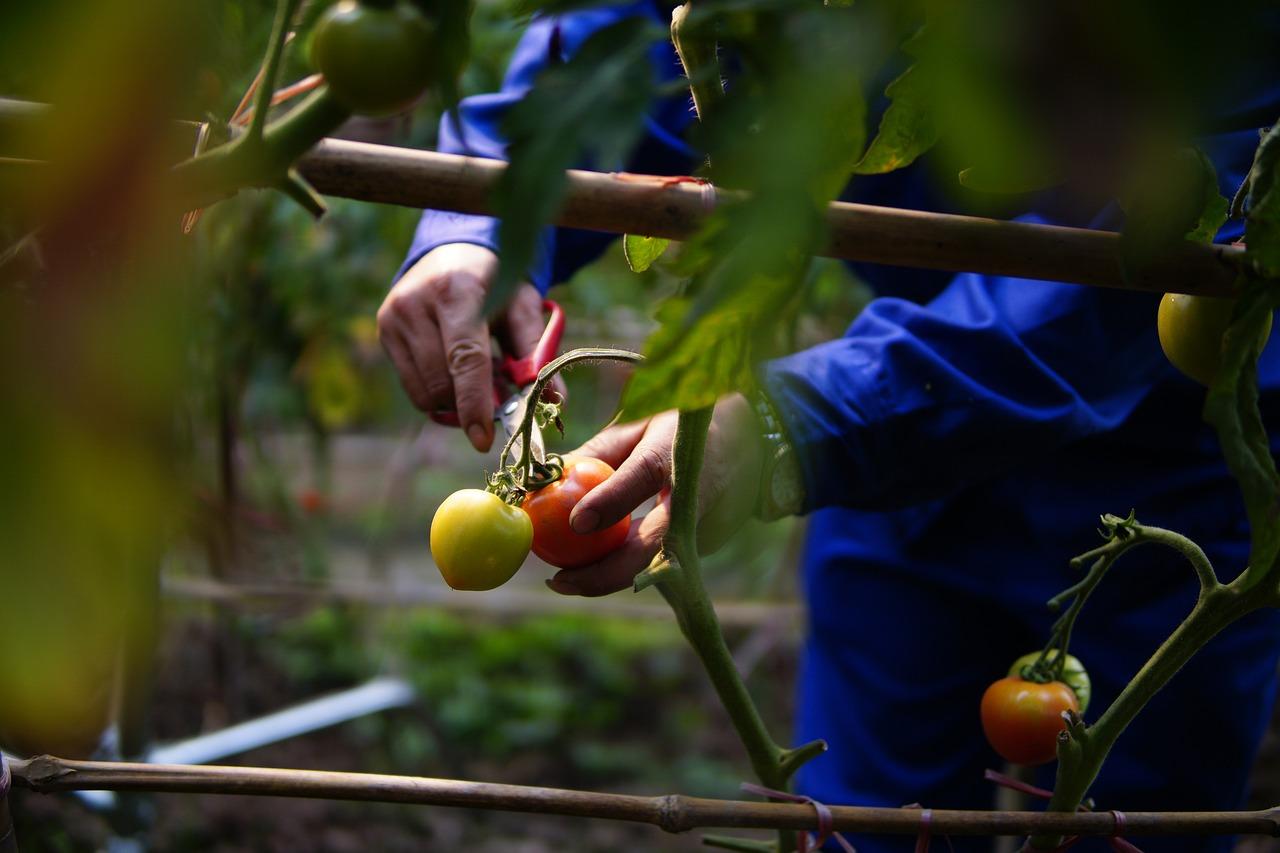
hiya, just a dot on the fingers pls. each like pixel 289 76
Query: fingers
pixel 431 327
pixel 640 476
pixel 396 349
pixel 522 326
pixel 612 445
pixel 468 355
pixel 616 571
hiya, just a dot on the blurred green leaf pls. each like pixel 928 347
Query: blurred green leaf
pixel 1262 205
pixel 789 133
pixel 1176 199
pixel 453 43
pixel 641 252
pixel 909 126
pixel 592 105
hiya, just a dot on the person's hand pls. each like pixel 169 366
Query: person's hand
pixel 641 454
pixel 432 327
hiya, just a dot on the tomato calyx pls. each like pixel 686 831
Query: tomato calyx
pixel 1052 665
pixel 512 485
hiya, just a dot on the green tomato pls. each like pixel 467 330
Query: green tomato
pixel 376 58
pixel 1074 674
pixel 1191 330
pixel 477 541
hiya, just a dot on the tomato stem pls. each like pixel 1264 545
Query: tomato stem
pixel 1083 749
pixel 285 10
pixel 525 474
pixel 221 172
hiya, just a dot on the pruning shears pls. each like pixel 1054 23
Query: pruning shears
pixel 520 373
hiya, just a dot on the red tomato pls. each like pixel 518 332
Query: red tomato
pixel 312 501
pixel 1022 718
pixel 549 507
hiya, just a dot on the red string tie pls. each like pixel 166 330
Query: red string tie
pixel 826 822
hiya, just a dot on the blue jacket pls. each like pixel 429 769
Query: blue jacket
pixel 958 444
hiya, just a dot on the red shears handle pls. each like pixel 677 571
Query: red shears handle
pixel 520 371
pixel 524 371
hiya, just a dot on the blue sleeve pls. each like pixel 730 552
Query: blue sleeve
pixel 475 131
pixel 917 401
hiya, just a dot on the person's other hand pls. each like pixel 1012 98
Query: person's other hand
pixel 641 454
pixel 432 327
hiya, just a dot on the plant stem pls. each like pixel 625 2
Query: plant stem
pixel 684 591
pixel 285 10
pixel 524 432
pixel 1082 750
pixel 699 60
pixel 222 171
pixel 1081 757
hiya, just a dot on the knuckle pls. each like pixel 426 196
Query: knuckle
pixel 467 356
pixel 652 465
pixel 438 393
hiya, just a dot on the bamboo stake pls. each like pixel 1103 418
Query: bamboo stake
pixel 657 206
pixel 672 813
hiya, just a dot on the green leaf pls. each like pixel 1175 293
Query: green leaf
pixel 1010 180
pixel 641 252
pixel 1262 205
pixel 788 133
pixel 593 103
pixel 909 126
pixel 1175 199
pixel 1232 408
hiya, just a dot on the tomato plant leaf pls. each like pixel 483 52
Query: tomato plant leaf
pixel 789 133
pixel 909 125
pixel 1176 199
pixel 641 252
pixel 594 105
pixel 1232 408
pixel 1261 197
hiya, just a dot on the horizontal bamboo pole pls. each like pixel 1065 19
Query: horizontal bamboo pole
pixel 659 207
pixel 672 813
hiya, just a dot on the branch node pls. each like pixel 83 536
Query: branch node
pixel 662 568
pixel 792 760
pixel 671 814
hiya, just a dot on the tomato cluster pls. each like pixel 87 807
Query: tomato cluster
pixel 1023 714
pixel 479 541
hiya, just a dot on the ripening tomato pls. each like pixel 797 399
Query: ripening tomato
pixel 1074 675
pixel 549 507
pixel 478 541
pixel 376 57
pixel 1022 718
pixel 1191 330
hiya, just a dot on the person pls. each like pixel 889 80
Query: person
pixel 952 451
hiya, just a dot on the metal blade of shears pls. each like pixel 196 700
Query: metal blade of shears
pixel 512 414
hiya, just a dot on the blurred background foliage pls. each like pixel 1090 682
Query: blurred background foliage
pixel 208 460
pixel 258 438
